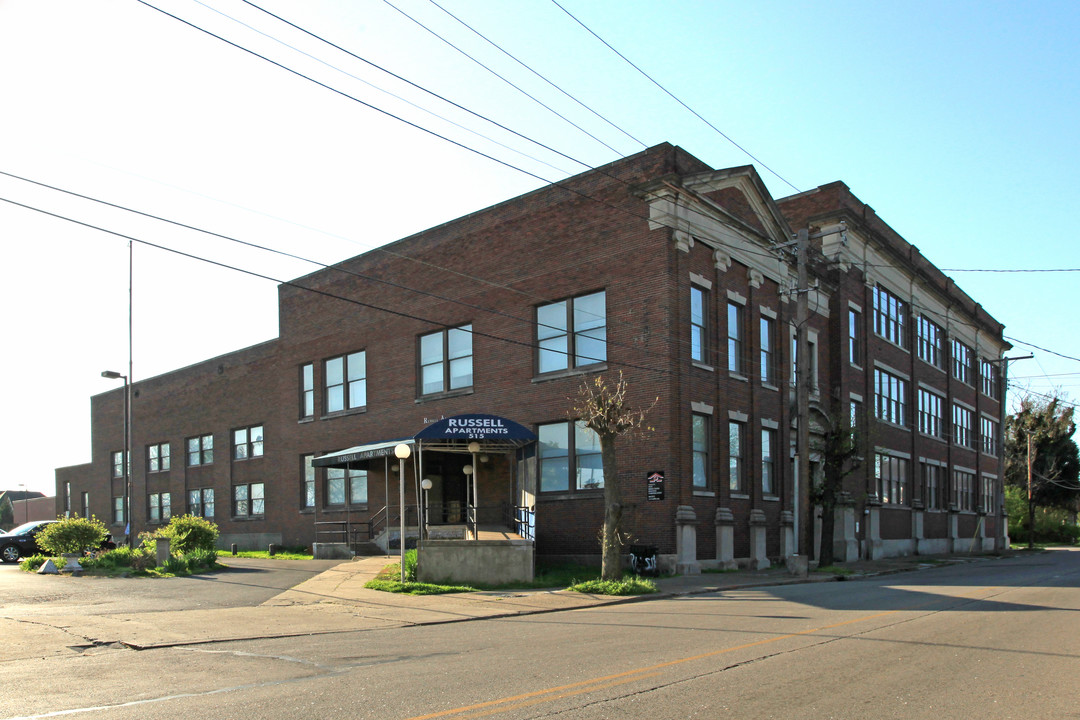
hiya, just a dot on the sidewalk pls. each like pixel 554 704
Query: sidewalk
pixel 336 601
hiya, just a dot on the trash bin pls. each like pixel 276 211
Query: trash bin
pixel 643 560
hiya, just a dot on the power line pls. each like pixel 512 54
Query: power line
pixel 505 80
pixel 1011 270
pixel 673 97
pixel 537 74
pixel 1032 345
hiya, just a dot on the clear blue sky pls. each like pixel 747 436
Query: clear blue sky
pixel 956 121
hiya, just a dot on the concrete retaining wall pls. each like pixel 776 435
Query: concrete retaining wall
pixel 475 561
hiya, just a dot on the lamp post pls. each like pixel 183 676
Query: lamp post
pixel 402 452
pixel 126 460
pixel 425 485
pixel 26 508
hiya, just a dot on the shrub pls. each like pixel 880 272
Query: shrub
pixel 72 535
pixel 201 559
pixel 186 533
pixel 32 563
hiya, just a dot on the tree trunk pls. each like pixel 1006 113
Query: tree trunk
pixel 611 569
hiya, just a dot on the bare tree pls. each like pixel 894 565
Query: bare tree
pixel 840 449
pixel 602 406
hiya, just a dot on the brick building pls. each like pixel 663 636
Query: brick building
pixel 656 266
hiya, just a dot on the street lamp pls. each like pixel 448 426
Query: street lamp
pixel 26 507
pixel 425 485
pixel 126 460
pixel 402 452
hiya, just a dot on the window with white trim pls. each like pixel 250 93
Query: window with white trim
pixel 699 324
pixel 768 461
pixel 767 332
pixel 307 481
pixel 964 490
pixel 988 374
pixel 963 363
pixel 345 382
pixel 307 390
pixel 118 510
pixel 446 360
pixel 342 484
pixel 159 507
pixel 933 486
pixel 248 442
pixel 930 341
pixel 700 448
pixel 890 397
pixel 736 473
pixel 988 496
pixel 963 426
pixel 200 450
pixel 891 474
pixel 735 334
pixel 157 457
pixel 890 316
pixel 988 435
pixel 931 414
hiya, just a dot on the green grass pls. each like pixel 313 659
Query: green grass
pixel 628 585
pixel 279 555
pixel 389 580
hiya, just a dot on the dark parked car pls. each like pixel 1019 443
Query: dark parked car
pixel 22 541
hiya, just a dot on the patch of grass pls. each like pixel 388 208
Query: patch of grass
pixel 389 580
pixel 835 570
pixel 628 585
pixel 293 554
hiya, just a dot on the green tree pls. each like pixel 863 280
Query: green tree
pixel 1052 453
pixel 603 407
pixel 72 535
pixel 7 513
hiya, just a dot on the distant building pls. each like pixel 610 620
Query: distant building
pixel 481 330
pixel 25 505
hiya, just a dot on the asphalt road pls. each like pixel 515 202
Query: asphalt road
pixel 990 639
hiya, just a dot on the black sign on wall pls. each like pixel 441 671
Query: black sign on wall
pixel 655 485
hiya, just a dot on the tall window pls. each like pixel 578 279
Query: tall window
pixel 962 419
pixel 768 350
pixel 307 390
pixel 890 316
pixel 736 472
pixel 67 499
pixel 572 333
pixel 964 490
pixel 988 434
pixel 930 338
pixel 735 335
pixel 768 461
pixel 86 504
pixel 566 447
pixel 307 480
pixel 200 450
pixel 249 500
pixel 159 509
pixel 892 477
pixel 890 397
pixel 118 464
pixel 700 441
pixel 346 382
pixel 248 442
pixel 854 338
pixel 933 486
pixel 201 502
pixel 446 360
pixel 931 415
pixel 962 363
pixel 699 324
pixel 157 457
pixel 989 377
pixel 341 484
pixel 988 494
pixel 118 510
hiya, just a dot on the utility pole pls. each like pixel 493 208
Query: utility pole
pixel 802 397
pixel 1031 499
